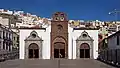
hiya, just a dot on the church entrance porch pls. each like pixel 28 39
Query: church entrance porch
pixel 59 53
pixel 84 51
pixel 84 46
pixel 59 50
pixel 33 46
pixel 33 51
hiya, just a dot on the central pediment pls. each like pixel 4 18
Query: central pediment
pixel 33 37
pixel 84 37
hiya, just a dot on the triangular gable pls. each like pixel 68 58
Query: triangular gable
pixel 84 37
pixel 33 37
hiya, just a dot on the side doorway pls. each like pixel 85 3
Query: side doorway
pixel 84 50
pixel 33 51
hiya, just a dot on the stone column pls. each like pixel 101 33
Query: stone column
pixel 92 52
pixel 1 40
pixel 40 50
pixel 10 47
pixel 77 50
pixel 2 44
pixel 5 45
pixel 26 50
pixel 26 55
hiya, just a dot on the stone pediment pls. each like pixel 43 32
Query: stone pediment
pixel 33 37
pixel 84 37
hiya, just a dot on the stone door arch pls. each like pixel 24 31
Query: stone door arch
pixel 34 43
pixel 84 50
pixel 59 48
pixel 84 43
pixel 33 51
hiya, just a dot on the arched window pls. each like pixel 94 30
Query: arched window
pixel 59 26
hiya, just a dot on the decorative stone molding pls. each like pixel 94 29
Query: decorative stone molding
pixel 84 38
pixel 30 40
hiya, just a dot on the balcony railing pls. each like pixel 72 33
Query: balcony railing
pixel 8 55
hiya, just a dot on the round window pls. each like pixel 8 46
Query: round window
pixel 33 35
pixel 84 35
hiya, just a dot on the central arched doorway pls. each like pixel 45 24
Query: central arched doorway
pixel 84 50
pixel 59 50
pixel 33 51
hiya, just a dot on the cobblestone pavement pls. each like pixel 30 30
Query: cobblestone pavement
pixel 82 63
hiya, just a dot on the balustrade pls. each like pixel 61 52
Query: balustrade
pixel 9 55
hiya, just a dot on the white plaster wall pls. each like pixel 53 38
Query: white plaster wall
pixel 24 33
pixel 70 42
pixel 73 35
pixel 0 20
pixel 5 21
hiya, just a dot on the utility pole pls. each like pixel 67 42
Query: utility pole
pixel 115 12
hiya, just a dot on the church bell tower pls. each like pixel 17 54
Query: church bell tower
pixel 59 35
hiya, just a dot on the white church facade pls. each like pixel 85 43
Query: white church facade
pixel 58 40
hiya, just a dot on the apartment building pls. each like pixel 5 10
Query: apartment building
pixel 7 38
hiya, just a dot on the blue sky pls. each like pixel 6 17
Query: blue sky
pixel 75 9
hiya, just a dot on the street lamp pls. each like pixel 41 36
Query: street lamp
pixel 116 14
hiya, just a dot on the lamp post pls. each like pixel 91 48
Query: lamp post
pixel 116 14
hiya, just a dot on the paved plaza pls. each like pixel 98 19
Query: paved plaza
pixel 63 63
